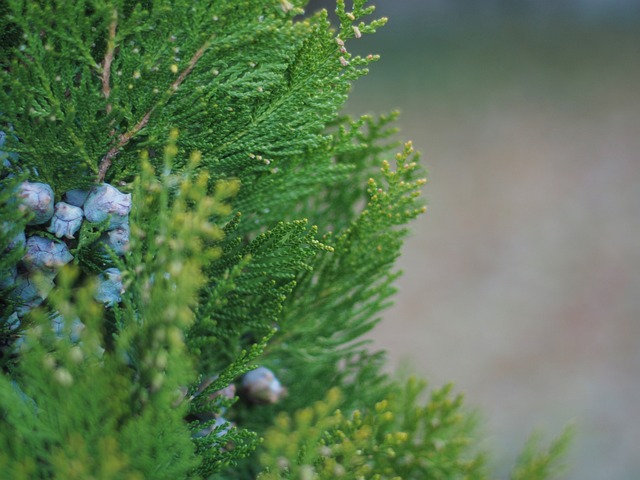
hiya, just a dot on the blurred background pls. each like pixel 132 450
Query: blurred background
pixel 522 281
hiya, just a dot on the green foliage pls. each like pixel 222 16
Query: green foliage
pixel 536 462
pixel 115 403
pixel 14 221
pixel 397 437
pixel 401 436
pixel 84 405
pixel 264 230
pixel 338 301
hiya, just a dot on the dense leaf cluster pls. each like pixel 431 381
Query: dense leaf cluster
pixel 264 230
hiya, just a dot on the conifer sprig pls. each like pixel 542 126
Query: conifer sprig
pixel 126 137
pixel 246 245
pixel 108 59
pixel 397 436
pixel 338 302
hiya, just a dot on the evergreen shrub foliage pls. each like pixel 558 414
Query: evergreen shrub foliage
pixel 247 223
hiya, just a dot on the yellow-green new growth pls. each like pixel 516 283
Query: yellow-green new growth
pixel 398 437
pixel 264 230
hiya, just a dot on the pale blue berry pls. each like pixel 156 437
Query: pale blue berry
pixel 66 220
pixel 30 292
pixel 8 275
pixel 76 197
pixel 262 386
pixel 13 322
pixel 58 325
pixel 45 255
pixel 118 239
pixel 110 287
pixel 219 422
pixel 37 198
pixel 228 392
pixel 18 240
pixel 106 201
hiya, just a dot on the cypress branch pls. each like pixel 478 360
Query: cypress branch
pixel 108 58
pixel 203 316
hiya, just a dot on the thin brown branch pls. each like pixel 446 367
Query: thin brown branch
pixel 192 63
pixel 107 160
pixel 108 58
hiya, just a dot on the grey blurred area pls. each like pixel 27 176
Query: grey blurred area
pixel 522 281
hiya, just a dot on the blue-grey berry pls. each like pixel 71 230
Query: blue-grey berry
pixel 107 201
pixel 228 392
pixel 58 326
pixel 76 197
pixel 13 322
pixel 30 292
pixel 262 386
pixel 37 198
pixel 118 239
pixel 66 220
pixel 219 422
pixel 110 287
pixel 8 275
pixel 45 255
pixel 18 240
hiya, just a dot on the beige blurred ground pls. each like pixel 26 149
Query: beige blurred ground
pixel 522 282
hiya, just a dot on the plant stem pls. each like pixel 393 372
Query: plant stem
pixel 123 139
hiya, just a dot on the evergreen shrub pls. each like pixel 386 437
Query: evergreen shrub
pixel 194 240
